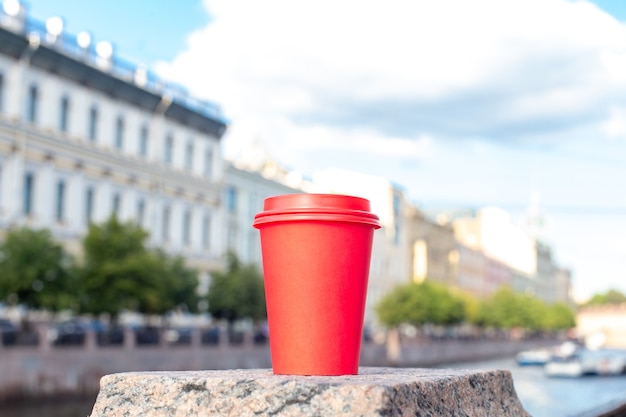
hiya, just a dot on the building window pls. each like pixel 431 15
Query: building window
pixel 119 132
pixel 60 207
pixel 29 185
pixel 208 163
pixel 141 211
pixel 117 201
pixel 93 123
pixel 89 196
pixel 396 205
pixel 33 99
pixel 143 141
pixel 168 155
pixel 189 156
pixel 206 231
pixel 231 199
pixel 65 107
pixel 165 232
pixel 396 234
pixel 1 93
pixel 253 208
pixel 187 227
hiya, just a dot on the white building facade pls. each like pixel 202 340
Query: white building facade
pixel 84 136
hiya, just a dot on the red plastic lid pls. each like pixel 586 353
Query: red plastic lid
pixel 325 207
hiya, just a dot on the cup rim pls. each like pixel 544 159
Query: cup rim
pixel 316 207
pixel 316 201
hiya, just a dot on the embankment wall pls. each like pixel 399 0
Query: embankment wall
pixel 33 372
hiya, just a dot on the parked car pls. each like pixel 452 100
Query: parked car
pixel 211 336
pixel 178 335
pixel 107 335
pixel 71 332
pixel 147 335
pixel 8 332
pixel 261 335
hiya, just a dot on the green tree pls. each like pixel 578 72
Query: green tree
pixel 115 265
pixel 237 292
pixel 506 309
pixel 180 283
pixel 610 297
pixel 560 317
pixel 419 304
pixel 472 309
pixel 36 271
pixel 119 273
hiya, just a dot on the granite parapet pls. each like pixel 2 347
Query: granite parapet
pixel 383 392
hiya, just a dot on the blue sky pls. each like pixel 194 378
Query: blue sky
pixel 142 32
pixel 465 104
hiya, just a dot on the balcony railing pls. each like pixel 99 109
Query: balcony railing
pixel 82 48
pixel 75 334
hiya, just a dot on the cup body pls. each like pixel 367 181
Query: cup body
pixel 316 255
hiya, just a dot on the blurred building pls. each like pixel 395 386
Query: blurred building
pixel 433 250
pixel 497 275
pixel 564 292
pixel 84 135
pixel 512 257
pixel 492 231
pixel 602 325
pixel 472 269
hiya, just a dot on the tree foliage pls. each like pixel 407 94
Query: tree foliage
pixel 610 297
pixel 559 316
pixel 180 284
pixel 419 304
pixel 119 272
pixel 507 309
pixel 36 271
pixel 237 292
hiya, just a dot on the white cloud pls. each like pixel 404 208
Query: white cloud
pixel 615 125
pixel 402 69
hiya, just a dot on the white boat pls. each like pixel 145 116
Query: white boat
pixel 541 356
pixel 587 362
pixel 533 357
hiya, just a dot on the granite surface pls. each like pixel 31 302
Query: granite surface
pixel 374 392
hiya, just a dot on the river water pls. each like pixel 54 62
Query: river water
pixel 557 397
pixel 541 396
pixel 60 408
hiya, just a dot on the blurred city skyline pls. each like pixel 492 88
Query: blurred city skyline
pixel 465 104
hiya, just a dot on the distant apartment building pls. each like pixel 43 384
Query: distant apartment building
pixel 84 135
pixel 564 286
pixel 472 267
pixel 497 274
pixel 433 250
pixel 512 257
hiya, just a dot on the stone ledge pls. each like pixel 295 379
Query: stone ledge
pixel 374 392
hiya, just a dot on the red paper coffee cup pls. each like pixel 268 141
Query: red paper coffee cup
pixel 316 255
